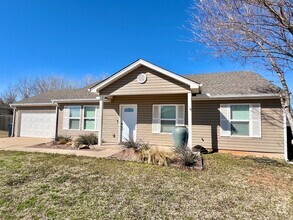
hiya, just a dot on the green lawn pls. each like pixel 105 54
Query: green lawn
pixel 34 186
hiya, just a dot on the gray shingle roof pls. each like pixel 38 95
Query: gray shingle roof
pixel 228 83
pixel 60 94
pixel 233 83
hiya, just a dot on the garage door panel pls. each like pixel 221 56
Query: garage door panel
pixel 38 125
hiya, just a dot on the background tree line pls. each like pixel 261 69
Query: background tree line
pixel 35 85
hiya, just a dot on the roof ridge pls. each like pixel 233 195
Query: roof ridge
pixel 219 73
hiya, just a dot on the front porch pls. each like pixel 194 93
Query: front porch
pixel 135 114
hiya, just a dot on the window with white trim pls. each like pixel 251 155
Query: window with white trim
pixel 89 118
pixel 166 117
pixel 77 118
pixel 240 120
pixel 71 117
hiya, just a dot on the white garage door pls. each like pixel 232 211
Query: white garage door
pixel 38 125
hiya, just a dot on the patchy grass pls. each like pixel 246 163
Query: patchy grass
pixel 45 186
pixel 3 134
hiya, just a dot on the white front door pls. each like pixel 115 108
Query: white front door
pixel 128 122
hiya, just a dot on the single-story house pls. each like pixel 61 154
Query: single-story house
pixel 238 111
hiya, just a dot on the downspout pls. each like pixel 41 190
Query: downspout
pixel 13 122
pixel 57 118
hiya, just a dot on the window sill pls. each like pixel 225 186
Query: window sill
pixel 244 137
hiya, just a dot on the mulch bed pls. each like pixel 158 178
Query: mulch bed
pixel 125 154
pixel 130 155
pixel 55 145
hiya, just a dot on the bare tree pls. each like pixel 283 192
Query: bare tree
pixel 258 31
pixel 44 84
pixel 25 87
pixel 34 85
pixel 8 96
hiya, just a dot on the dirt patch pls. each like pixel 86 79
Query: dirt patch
pixel 55 145
pixel 268 179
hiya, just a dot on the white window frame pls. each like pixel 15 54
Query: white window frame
pixel 79 118
pixel 240 120
pixel 84 118
pixel 166 119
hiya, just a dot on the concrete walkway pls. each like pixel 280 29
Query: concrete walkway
pixel 23 144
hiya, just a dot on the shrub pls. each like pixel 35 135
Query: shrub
pixel 87 139
pixel 63 139
pixel 186 156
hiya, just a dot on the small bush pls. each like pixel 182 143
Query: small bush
pixel 87 139
pixel 186 156
pixel 63 139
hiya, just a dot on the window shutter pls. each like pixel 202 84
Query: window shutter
pixel 225 126
pixel 180 115
pixel 156 126
pixel 66 118
pixel 97 118
pixel 255 120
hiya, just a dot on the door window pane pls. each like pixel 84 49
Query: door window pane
pixel 89 112
pixel 89 124
pixel 73 123
pixel 74 112
pixel 240 128
pixel 128 110
pixel 240 112
pixel 167 126
pixel 168 112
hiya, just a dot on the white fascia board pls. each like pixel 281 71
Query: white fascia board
pixel 140 62
pixel 92 100
pixel 31 104
pixel 234 97
pixel 73 100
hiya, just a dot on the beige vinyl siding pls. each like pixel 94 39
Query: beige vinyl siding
pixel 72 133
pixel 144 117
pixel 206 130
pixel 20 110
pixel 156 83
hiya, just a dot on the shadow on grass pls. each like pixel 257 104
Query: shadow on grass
pixel 265 161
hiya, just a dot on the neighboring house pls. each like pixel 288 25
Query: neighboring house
pixel 5 117
pixel 225 111
pixel 4 110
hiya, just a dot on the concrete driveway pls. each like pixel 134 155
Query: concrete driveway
pixel 16 142
pixel 23 144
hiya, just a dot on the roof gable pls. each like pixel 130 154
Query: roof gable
pixel 155 83
pixel 194 86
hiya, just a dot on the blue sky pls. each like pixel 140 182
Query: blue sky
pixel 95 37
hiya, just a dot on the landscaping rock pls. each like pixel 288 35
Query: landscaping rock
pixel 82 147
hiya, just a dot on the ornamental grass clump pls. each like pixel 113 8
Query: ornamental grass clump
pixel 186 157
pixel 63 139
pixel 87 139
pixel 136 145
